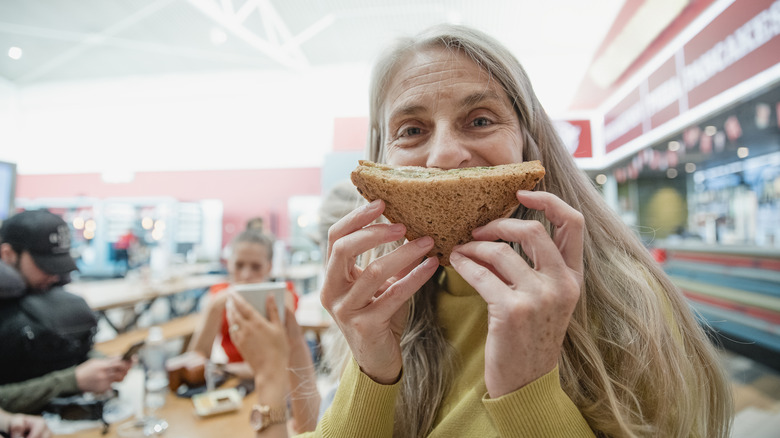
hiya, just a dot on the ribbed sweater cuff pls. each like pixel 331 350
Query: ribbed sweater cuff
pixel 371 406
pixel 539 409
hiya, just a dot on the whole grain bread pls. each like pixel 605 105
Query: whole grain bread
pixel 445 204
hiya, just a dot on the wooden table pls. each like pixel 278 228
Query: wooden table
pixel 184 423
pixel 181 327
pixel 178 411
pixel 106 295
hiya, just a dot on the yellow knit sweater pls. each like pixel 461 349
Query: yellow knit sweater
pixel 363 408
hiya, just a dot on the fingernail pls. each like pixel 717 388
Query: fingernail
pixel 397 228
pixel 431 261
pixel 455 256
pixel 424 241
pixel 373 205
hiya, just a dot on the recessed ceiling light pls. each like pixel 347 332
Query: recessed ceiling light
pixel 15 52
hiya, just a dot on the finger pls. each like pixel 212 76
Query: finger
pixel 401 274
pixel 569 223
pixel 380 270
pixel 242 309
pixel 353 221
pixel 290 323
pixel 498 257
pixel 345 251
pixel 532 237
pixel 38 429
pixel 234 317
pixel 485 282
pixel 271 310
pixel 399 293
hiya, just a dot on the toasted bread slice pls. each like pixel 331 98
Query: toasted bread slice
pixel 445 204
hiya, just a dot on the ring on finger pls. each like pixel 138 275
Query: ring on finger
pixel 233 328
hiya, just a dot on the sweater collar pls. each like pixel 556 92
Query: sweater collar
pixel 454 284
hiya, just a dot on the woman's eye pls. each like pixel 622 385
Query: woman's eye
pixel 481 121
pixel 410 131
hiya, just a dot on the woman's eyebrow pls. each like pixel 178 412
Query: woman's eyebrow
pixel 475 98
pixel 408 110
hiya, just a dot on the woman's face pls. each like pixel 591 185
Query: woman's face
pixel 442 110
pixel 249 263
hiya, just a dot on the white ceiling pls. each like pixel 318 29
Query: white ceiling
pixel 67 40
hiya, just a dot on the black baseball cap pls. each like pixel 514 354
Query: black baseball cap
pixel 44 235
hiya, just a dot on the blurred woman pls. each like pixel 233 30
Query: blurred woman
pixel 249 261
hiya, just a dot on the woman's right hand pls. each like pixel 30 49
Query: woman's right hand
pixel 369 305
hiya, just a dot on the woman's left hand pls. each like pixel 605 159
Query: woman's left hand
pixel 529 308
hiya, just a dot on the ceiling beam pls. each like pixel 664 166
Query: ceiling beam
pixel 288 56
pixel 91 40
pixel 124 43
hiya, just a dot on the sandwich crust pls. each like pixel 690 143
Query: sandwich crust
pixel 445 204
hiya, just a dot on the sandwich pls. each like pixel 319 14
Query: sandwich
pixel 445 204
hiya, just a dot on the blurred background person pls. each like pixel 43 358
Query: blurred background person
pixel 256 223
pixel 250 258
pixel 47 332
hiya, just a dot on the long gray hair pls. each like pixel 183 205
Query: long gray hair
pixel 635 361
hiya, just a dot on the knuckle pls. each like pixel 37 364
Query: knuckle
pixel 338 246
pixel 536 227
pixel 505 250
pixel 481 273
pixel 332 233
pixel 373 273
pixel 577 218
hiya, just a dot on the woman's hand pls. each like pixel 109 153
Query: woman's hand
pixel 369 305
pixel 529 308
pixel 97 375
pixel 262 342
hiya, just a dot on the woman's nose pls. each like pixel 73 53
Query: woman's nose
pixel 447 151
pixel 242 275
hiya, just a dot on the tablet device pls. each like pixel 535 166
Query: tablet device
pixel 256 293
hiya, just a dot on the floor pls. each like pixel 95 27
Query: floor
pixel 756 397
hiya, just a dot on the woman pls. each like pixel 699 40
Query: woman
pixel 250 262
pixel 572 331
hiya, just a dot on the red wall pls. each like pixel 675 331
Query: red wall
pixel 244 193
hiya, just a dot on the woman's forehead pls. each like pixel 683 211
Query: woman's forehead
pixel 434 73
pixel 249 249
pixel 435 66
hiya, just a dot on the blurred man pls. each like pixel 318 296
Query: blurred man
pixel 47 332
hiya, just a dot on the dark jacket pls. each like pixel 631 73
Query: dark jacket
pixel 44 336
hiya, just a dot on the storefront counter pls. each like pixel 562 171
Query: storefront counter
pixel 735 289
